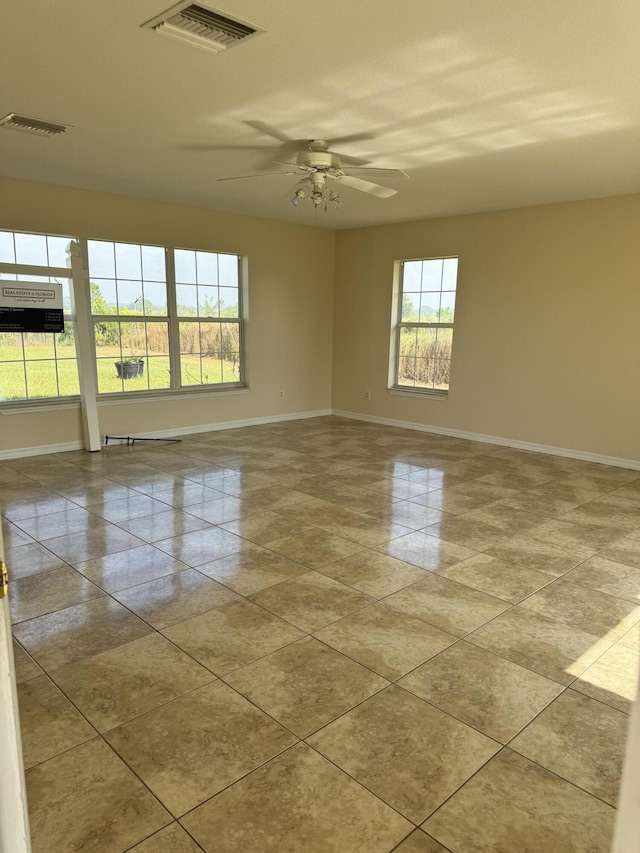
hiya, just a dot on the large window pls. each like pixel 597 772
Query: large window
pixel 164 318
pixel 37 365
pixel 424 325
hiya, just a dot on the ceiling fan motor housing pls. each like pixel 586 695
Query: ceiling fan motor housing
pixel 318 157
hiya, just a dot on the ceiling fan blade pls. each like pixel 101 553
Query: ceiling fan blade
pixel 352 161
pixel 284 163
pixel 267 130
pixel 226 148
pixel 391 173
pixel 367 187
pixel 261 175
pixel 289 143
pixel 354 137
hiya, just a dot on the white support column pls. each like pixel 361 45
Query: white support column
pixel 627 835
pixel 80 293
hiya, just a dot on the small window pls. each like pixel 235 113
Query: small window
pixel 37 365
pixel 424 318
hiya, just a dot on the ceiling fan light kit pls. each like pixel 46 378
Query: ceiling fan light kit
pixel 320 165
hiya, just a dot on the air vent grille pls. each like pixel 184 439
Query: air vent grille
pixel 202 27
pixel 13 121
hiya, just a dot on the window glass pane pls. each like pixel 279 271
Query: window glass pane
pixel 128 261
pixel 7 252
pixel 447 306
pixel 410 308
pixel 12 381
pixel 408 338
pixel 230 368
pixel 189 338
pixel 432 275
pixel 57 251
pixel 412 276
pixel 228 302
pixel 109 380
pixel 210 337
pixel 158 339
pixel 31 249
pixel 187 300
pixel 441 369
pixel 208 304
pixel 213 370
pixel 11 346
pixel 103 296
pixel 406 370
pixel 38 346
pixel 185 265
pixel 101 259
pixel 155 298
pixel 207 267
pixel 230 344
pixel 426 340
pixel 130 297
pixel 423 373
pixel 429 307
pixel 107 337
pixel 158 373
pixel 66 295
pixel 153 263
pixel 133 339
pixel 42 379
pixel 228 270
pixel 68 377
pixel 445 340
pixel 449 273
pixel 190 369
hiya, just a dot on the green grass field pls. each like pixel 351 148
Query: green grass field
pixel 44 380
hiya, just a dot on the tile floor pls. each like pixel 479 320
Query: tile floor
pixel 322 636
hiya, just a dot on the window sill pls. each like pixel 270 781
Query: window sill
pixel 127 397
pixel 428 393
pixel 23 407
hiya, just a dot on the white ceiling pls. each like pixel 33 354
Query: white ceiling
pixel 486 105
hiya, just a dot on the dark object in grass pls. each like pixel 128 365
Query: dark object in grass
pixel 128 368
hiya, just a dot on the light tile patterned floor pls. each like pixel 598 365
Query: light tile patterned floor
pixel 323 636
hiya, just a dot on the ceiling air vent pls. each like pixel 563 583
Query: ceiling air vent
pixel 32 125
pixel 202 27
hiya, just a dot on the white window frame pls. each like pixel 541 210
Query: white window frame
pixel 42 271
pixel 176 388
pixel 172 319
pixel 397 325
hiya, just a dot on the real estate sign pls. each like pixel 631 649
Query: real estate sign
pixel 29 307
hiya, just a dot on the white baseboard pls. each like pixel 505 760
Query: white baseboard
pixel 43 449
pixel 616 461
pixel 584 455
pixel 270 419
pixel 40 450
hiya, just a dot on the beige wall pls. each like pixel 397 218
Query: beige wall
pixel 290 306
pixel 547 337
pixel 546 346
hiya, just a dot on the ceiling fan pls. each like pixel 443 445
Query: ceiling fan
pixel 316 167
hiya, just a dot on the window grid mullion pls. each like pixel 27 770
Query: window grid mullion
pixel 175 365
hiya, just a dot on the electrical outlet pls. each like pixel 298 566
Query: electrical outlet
pixel 281 394
pixel 367 395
